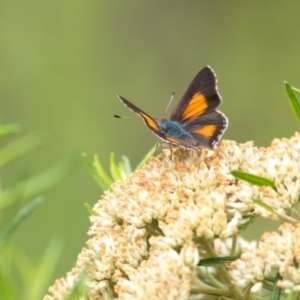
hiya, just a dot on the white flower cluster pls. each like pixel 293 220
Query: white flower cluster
pixel 148 233
pixel 275 253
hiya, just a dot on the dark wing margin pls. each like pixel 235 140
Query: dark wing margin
pixel 201 97
pixel 150 122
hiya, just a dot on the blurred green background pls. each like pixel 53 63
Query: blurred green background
pixel 62 63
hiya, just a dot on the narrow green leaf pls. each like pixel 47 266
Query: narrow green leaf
pixel 146 158
pixel 254 179
pixel 217 262
pixel 125 167
pixel 39 183
pixel 270 209
pixel 114 168
pixel 276 290
pixel 19 147
pixel 97 172
pixel 89 208
pixel 291 295
pixel 295 90
pixel 265 206
pixel 41 277
pixel 8 130
pixel 8 290
pixel 293 100
pixel 105 177
pixel 18 219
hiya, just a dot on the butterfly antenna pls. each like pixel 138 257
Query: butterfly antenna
pixel 172 96
pixel 124 117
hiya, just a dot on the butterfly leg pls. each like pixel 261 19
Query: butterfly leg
pixel 171 152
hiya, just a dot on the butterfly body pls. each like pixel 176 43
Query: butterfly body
pixel 195 122
pixel 175 129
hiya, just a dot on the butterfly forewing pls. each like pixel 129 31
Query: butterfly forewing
pixel 200 97
pixel 150 122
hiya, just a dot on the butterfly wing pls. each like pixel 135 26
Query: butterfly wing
pixel 196 110
pixel 189 143
pixel 150 122
pixel 207 129
pixel 202 125
pixel 200 97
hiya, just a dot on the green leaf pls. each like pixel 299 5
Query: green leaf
pixel 89 208
pixel 106 178
pixel 119 171
pixel 42 274
pixel 146 158
pixel 254 179
pixel 18 219
pixel 8 289
pixel 293 100
pixel 114 168
pixel 265 206
pixel 217 262
pixel 291 295
pixel 39 183
pixel 270 278
pixel 22 279
pixel 97 172
pixel 295 90
pixel 19 147
pixel 272 211
pixel 276 290
pixel 125 167
pixel 8 130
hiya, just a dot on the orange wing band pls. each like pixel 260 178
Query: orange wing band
pixel 150 122
pixel 196 106
pixel 170 139
pixel 208 130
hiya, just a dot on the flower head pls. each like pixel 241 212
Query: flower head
pixel 275 253
pixel 148 234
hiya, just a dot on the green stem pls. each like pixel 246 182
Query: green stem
pixel 233 291
pixel 233 245
pixel 296 213
pixel 210 278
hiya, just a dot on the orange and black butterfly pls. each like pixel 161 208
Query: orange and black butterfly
pixel 195 122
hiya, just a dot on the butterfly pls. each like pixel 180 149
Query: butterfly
pixel 194 122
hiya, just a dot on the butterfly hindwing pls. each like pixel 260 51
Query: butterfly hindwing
pixel 189 143
pixel 200 97
pixel 207 129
